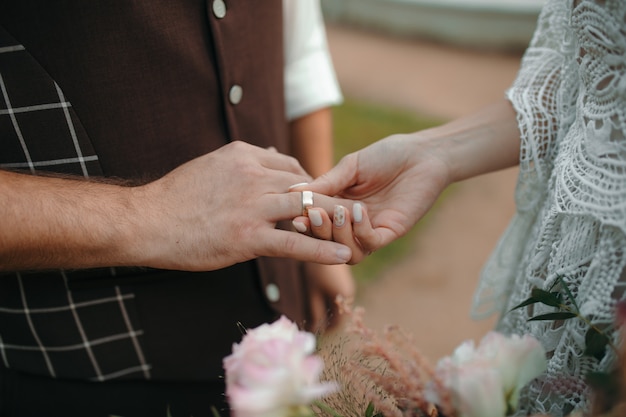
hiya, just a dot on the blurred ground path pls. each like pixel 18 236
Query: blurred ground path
pixel 430 293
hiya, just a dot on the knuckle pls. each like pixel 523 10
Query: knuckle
pixel 238 145
pixel 246 168
pixel 318 252
pixel 290 244
pixel 294 165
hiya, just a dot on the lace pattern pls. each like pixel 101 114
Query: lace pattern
pixel 570 98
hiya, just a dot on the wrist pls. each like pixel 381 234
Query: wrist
pixel 486 141
pixel 139 237
pixel 436 148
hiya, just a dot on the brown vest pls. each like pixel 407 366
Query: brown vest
pixel 148 87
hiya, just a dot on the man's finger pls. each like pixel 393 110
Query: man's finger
pixel 273 159
pixel 286 244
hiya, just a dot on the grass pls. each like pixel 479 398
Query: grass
pixel 357 125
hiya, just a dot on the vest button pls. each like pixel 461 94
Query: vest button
pixel 272 292
pixel 235 94
pixel 219 8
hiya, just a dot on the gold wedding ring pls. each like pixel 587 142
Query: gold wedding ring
pixel 307 201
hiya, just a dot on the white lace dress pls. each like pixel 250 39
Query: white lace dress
pixel 570 97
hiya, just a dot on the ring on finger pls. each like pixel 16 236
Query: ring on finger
pixel 307 201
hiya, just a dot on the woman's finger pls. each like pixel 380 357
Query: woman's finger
pixel 342 176
pixel 342 233
pixel 363 230
pixel 369 238
pixel 321 225
pixel 302 224
pixel 317 224
pixel 283 243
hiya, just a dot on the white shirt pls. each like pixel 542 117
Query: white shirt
pixel 310 79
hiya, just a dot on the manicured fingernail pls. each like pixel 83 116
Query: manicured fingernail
pixel 316 217
pixel 357 212
pixel 300 227
pixel 344 254
pixel 340 216
pixel 300 184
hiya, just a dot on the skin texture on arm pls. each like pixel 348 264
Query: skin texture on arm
pixel 48 222
pixel 312 141
pixel 214 211
pixel 398 179
pixel 312 145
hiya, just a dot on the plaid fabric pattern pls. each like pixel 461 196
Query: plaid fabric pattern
pixel 46 327
pixel 34 112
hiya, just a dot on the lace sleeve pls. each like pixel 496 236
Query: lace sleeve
pixel 534 96
pixel 570 99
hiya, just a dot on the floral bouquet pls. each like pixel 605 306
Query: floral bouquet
pixel 276 369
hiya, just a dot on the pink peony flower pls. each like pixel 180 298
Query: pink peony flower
pixel 273 372
pixel 486 381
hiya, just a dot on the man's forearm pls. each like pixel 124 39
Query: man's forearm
pixel 63 223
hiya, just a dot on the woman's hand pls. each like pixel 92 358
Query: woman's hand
pixel 397 179
pixel 395 182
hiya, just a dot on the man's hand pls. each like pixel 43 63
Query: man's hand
pixel 214 211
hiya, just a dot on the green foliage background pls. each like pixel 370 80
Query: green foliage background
pixel 356 125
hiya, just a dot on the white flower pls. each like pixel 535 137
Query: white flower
pixel 519 360
pixel 273 371
pixel 486 381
